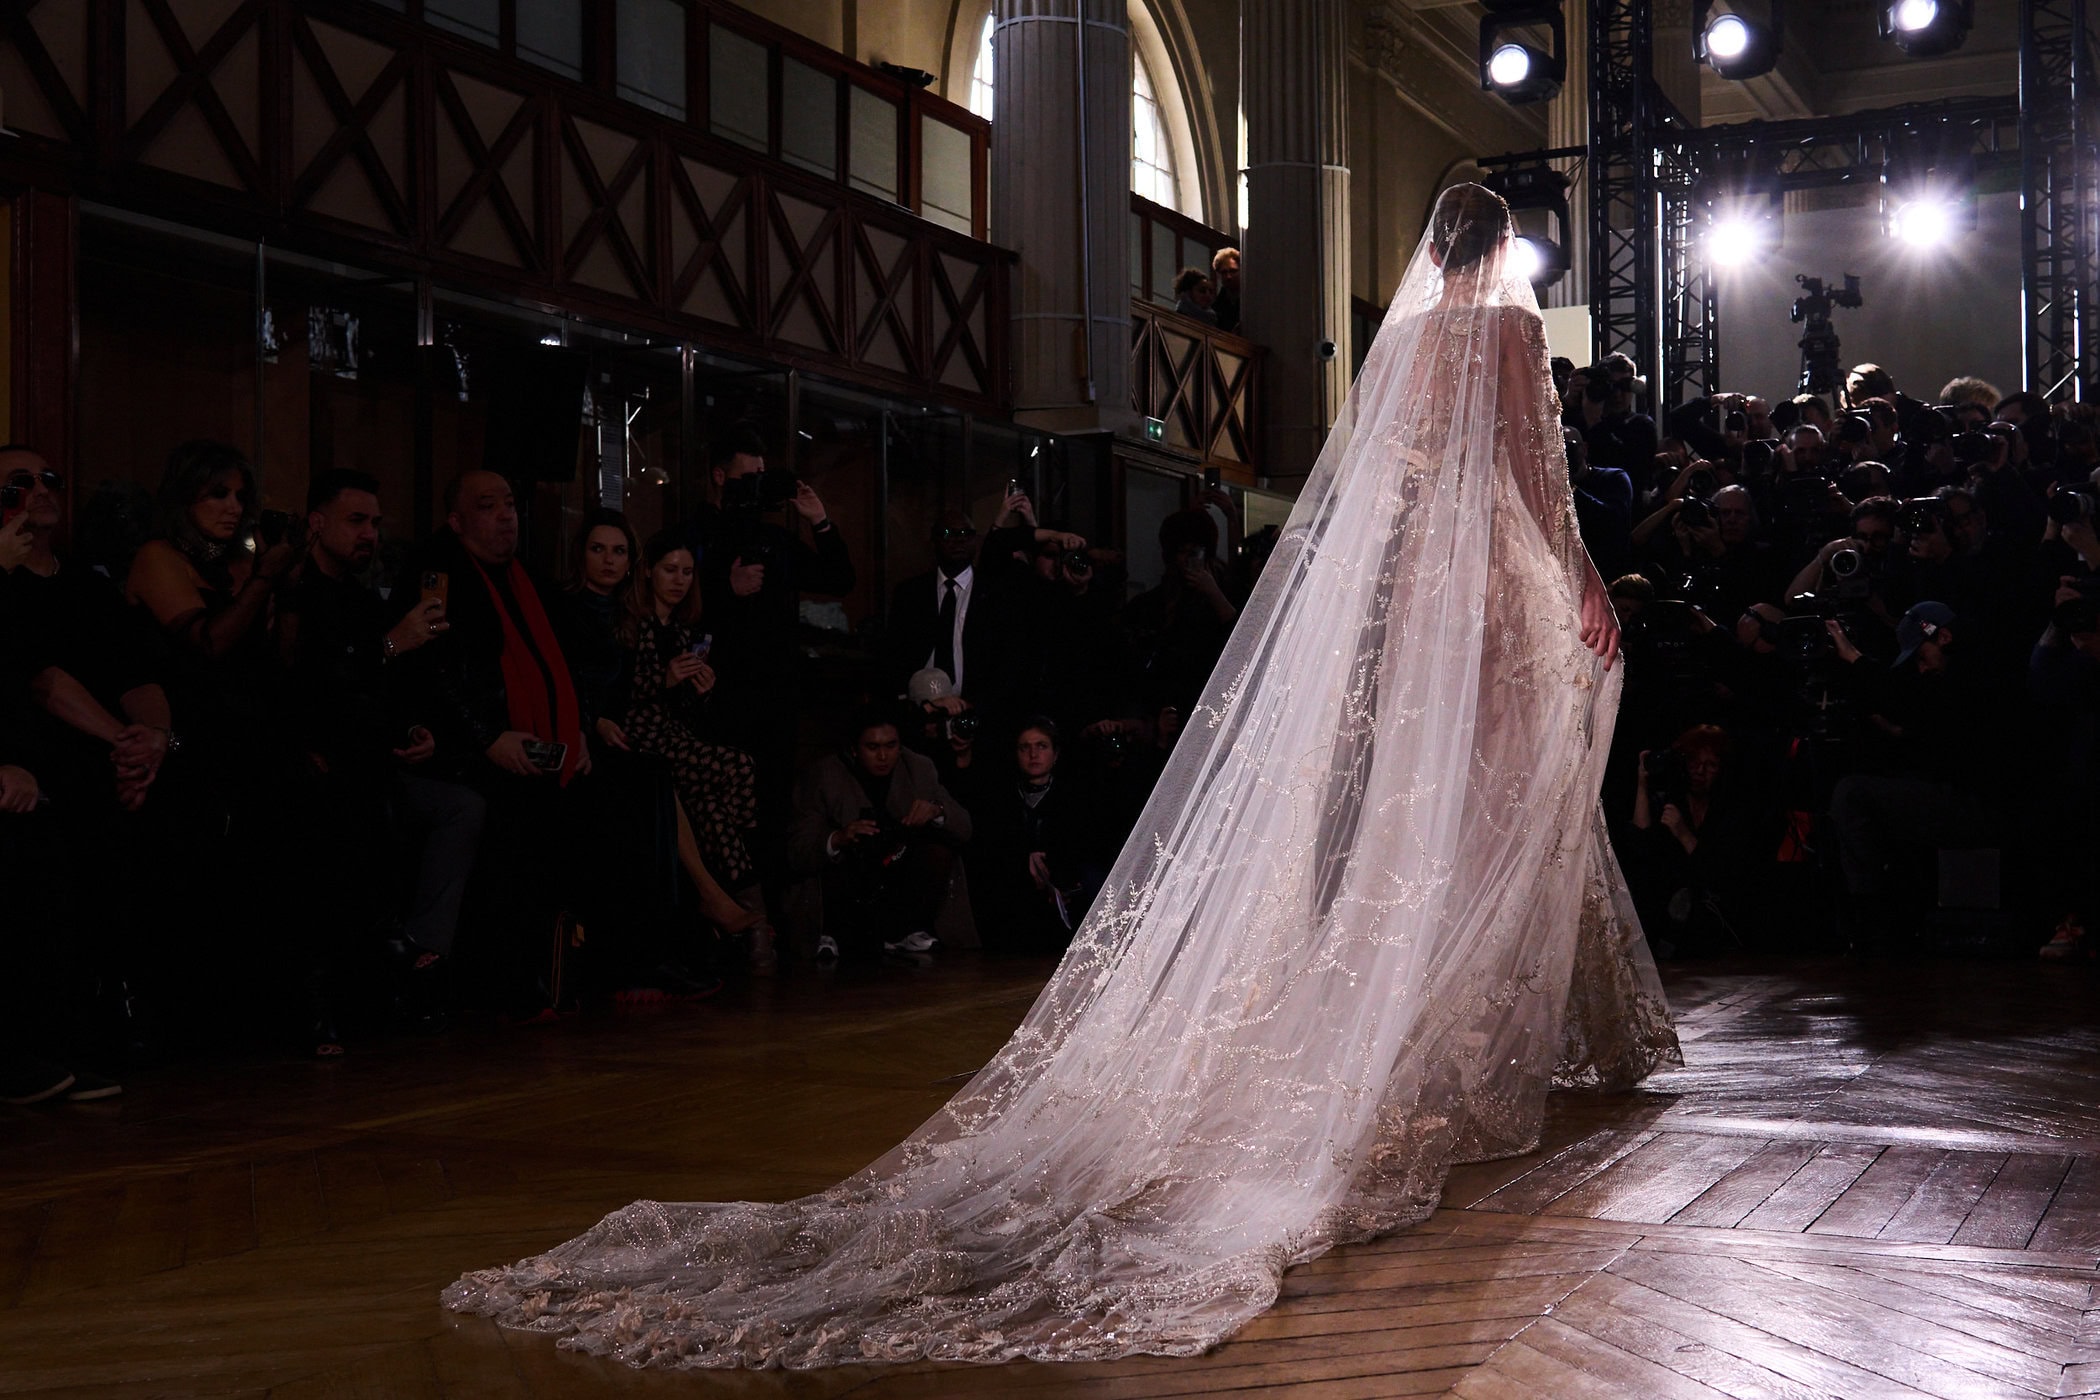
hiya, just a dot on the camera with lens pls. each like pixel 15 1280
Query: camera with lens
pixel 1077 563
pixel 760 491
pixel 1922 515
pixel 1973 449
pixel 1854 428
pixel 963 726
pixel 1702 484
pixel 1669 780
pixel 1694 511
pixel 2074 505
pixel 1760 455
pixel 886 846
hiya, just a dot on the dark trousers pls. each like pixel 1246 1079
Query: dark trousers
pixel 1877 815
pixel 870 900
pixel 445 821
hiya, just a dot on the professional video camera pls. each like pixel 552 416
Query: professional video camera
pixel 1821 370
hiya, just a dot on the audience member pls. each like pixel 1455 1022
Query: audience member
pixel 1194 293
pixel 1037 858
pixel 1178 629
pixel 1225 273
pixel 875 839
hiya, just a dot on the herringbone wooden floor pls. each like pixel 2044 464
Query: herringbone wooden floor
pixel 1865 1182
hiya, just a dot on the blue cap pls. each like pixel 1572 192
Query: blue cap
pixel 1923 621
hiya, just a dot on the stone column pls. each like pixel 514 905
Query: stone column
pixel 1061 199
pixel 1294 277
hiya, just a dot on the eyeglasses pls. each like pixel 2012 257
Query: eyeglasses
pixel 50 480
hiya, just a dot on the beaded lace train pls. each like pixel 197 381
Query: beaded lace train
pixel 1366 918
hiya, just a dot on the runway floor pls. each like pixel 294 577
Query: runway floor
pixel 1867 1181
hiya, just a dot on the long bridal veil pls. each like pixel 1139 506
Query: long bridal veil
pixel 1366 915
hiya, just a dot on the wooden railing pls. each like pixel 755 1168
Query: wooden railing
pixel 1201 384
pixel 339 129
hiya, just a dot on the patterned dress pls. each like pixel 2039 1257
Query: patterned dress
pixel 716 783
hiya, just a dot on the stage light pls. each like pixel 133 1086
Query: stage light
pixel 1509 66
pixel 1537 196
pixel 1926 28
pixel 1734 243
pixel 1926 222
pixel 1736 43
pixel 1523 50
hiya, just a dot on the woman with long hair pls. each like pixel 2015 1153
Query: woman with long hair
pixel 669 682
pixel 588 620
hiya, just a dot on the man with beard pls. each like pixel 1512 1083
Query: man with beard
pixel 369 749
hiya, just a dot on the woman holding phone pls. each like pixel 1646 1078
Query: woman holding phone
pixel 669 682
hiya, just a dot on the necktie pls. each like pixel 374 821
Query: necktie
pixel 944 635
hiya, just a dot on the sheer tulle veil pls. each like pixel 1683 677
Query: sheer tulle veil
pixel 1367 915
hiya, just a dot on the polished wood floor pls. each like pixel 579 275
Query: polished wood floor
pixel 1867 1181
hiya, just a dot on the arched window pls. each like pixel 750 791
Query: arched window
pixel 1151 153
pixel 981 75
pixel 1160 135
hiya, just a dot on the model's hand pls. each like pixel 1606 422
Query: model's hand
pixel 1600 625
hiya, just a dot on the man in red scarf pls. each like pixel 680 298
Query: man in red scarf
pixel 505 706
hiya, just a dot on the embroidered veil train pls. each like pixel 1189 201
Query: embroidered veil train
pixel 1366 916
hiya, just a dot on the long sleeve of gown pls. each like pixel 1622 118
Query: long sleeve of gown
pixel 1530 430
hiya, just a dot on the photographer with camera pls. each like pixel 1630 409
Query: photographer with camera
pixel 1855 565
pixel 967 617
pixel 874 841
pixel 753 571
pixel 1178 629
pixel 1617 434
pixel 1927 777
pixel 1689 861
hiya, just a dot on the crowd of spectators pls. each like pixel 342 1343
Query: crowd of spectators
pixel 252 787
pixel 1861 639
pixel 271 781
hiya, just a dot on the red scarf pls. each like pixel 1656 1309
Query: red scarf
pixel 550 714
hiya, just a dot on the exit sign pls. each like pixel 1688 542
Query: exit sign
pixel 1155 429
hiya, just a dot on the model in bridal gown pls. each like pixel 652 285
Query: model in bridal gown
pixel 1366 919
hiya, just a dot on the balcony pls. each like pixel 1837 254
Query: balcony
pixel 726 182
pixel 1201 384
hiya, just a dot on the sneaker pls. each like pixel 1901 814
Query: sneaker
pixel 918 941
pixel 2069 944
pixel 88 1087
pixel 32 1081
pixel 827 950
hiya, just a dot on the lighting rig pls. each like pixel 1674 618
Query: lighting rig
pixel 1523 50
pixel 1537 196
pixel 1740 42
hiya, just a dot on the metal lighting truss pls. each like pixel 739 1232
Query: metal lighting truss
pixel 2058 191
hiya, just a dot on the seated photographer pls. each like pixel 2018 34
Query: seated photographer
pixel 1927 777
pixel 1693 848
pixel 2063 817
pixel 874 842
pixel 1178 629
pixel 369 747
pixel 1037 857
